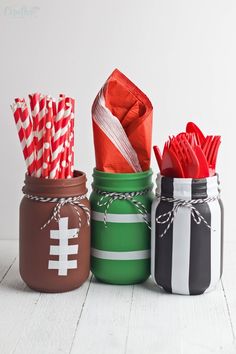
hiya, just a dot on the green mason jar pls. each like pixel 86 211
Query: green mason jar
pixel 120 227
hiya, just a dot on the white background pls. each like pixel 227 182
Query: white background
pixel 181 53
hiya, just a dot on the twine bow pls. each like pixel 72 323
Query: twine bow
pixel 75 202
pixel 181 203
pixel 107 199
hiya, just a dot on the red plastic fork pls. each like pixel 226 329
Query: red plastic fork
pixel 171 166
pixel 203 165
pixel 187 157
pixel 157 153
pixel 193 128
pixel 207 146
pixel 191 137
pixel 210 150
pixel 214 152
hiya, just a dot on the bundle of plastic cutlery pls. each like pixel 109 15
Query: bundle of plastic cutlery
pixel 190 154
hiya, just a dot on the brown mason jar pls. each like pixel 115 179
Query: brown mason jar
pixel 55 233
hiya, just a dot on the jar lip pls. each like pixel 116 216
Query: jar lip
pixel 78 178
pixel 56 188
pixel 212 179
pixel 123 176
pixel 122 182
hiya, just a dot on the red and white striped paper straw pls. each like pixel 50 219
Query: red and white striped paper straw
pixel 34 105
pixel 64 156
pixel 57 144
pixel 47 136
pixel 70 158
pixel 25 132
pixel 72 141
pixel 66 159
pixel 39 133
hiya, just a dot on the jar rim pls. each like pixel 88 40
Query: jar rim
pixel 211 179
pixel 114 175
pixel 78 178
pixel 122 182
pixel 188 188
pixel 60 187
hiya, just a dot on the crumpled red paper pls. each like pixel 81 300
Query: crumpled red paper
pixel 122 126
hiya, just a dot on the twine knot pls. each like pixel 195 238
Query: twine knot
pixel 75 202
pixel 168 218
pixel 108 198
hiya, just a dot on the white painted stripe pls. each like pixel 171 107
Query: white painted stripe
pixel 153 228
pixel 65 250
pixel 70 233
pixel 121 256
pixel 62 266
pixel 215 242
pixel 119 218
pixel 181 242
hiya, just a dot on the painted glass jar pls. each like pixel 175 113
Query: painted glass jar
pixel 120 229
pixel 187 235
pixel 55 233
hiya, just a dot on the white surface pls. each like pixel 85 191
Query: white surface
pixel 182 54
pixel 104 319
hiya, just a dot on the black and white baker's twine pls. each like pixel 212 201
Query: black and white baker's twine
pixel 107 198
pixel 168 218
pixel 75 202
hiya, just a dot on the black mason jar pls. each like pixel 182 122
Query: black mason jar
pixel 187 235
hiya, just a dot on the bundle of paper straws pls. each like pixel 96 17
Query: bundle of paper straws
pixel 47 135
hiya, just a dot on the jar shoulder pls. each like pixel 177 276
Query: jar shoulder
pixel 100 203
pixel 32 207
pixel 24 202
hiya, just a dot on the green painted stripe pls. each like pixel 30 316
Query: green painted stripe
pixel 124 256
